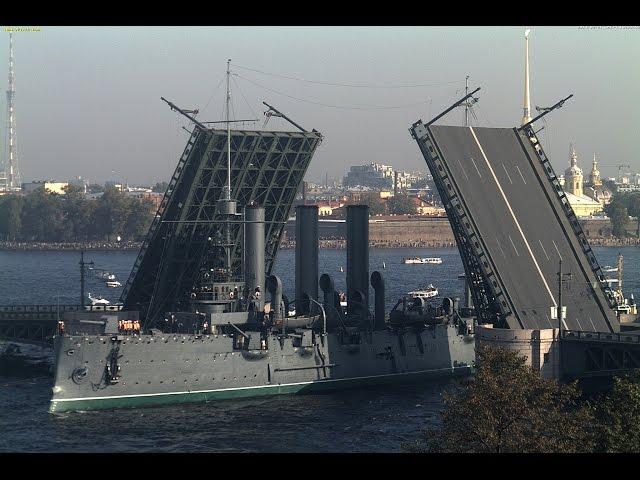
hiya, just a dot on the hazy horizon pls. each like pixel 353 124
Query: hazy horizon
pixel 88 98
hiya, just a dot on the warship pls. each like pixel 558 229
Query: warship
pixel 196 324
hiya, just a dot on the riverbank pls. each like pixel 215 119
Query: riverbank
pixel 285 244
pixel 72 246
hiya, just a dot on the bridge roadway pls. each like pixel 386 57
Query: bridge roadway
pixel 521 222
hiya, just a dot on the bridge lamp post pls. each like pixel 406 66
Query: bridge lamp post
pixel 560 310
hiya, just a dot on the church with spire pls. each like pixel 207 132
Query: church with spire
pixel 585 199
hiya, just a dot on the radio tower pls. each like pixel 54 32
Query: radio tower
pixel 11 178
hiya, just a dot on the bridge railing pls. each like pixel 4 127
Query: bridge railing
pixel 600 336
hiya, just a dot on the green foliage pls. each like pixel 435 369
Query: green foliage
pixel 95 188
pixel 10 216
pixel 508 407
pixel 618 416
pixel 47 217
pixel 160 187
pixel 401 204
pixel 376 205
pixel 617 211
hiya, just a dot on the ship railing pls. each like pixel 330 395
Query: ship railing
pixel 600 336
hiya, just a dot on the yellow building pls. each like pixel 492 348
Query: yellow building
pixel 49 186
pixel 582 205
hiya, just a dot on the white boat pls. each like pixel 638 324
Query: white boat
pixel 429 260
pixel 424 292
pixel 98 301
pixel 609 269
pixel 113 284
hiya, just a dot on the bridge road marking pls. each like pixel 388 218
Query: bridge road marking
pixel 521 176
pixel 508 176
pixel 474 164
pixel 504 197
pixel 463 170
pixel 500 247
pixel 514 246
pixel 545 252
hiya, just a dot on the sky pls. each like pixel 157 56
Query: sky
pixel 88 98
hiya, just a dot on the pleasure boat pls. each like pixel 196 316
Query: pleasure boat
pixel 429 260
pixel 424 292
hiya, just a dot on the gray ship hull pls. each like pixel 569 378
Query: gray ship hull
pixel 178 368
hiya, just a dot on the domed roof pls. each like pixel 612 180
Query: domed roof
pixel 574 170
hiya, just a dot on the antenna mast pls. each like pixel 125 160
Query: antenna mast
pixel 228 192
pixel 11 175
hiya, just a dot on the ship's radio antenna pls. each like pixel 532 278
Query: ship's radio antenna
pixel 228 189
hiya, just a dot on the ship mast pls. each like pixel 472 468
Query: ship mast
pixel 228 207
pixel 228 189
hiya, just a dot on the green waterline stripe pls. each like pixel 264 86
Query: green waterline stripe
pixel 468 367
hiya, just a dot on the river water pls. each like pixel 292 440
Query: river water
pixel 368 420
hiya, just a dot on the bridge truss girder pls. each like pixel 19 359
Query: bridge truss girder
pixel 267 167
pixel 486 286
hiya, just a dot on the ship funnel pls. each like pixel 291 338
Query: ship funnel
pixel 306 257
pixel 274 286
pixel 377 282
pixel 357 259
pixel 254 253
pixel 331 302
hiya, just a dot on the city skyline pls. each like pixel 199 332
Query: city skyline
pixel 87 99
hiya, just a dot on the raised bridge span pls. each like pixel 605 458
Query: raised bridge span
pixel 512 224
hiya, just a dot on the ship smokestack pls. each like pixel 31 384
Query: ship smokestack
pixel 254 252
pixel 357 259
pixel 526 117
pixel 331 302
pixel 306 257
pixel 274 285
pixel 377 282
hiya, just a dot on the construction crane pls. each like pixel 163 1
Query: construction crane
pixel 620 167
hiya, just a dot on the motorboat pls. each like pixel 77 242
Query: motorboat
pixel 98 301
pixel 113 284
pixel 422 260
pixel 428 291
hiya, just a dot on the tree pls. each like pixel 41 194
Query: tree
pixel 95 188
pixel 634 210
pixel 376 205
pixel 509 407
pixel 111 212
pixel 618 416
pixel 42 216
pixel 160 187
pixel 140 216
pixel 10 216
pixel 617 212
pixel 401 204
pixel 77 213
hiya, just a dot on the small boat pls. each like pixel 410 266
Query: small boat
pixel 429 260
pixel 113 284
pixel 424 292
pixel 104 275
pixel 98 301
pixel 341 269
pixel 384 265
pixel 609 269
